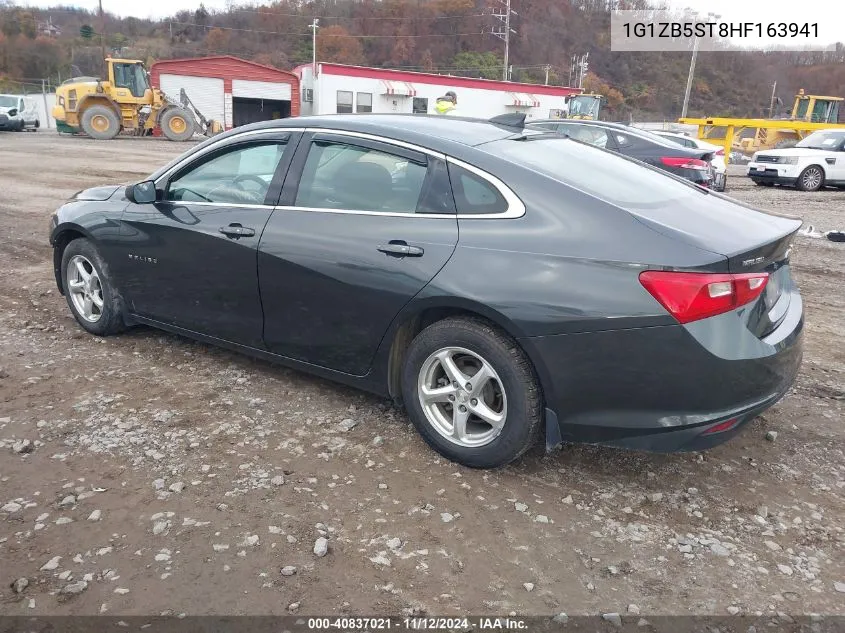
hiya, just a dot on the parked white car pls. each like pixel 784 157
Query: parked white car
pixel 816 161
pixel 18 113
pixel 720 170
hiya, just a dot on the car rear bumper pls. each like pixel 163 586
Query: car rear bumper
pixel 659 389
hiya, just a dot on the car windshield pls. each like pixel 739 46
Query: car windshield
pixel 651 136
pixel 672 139
pixel 8 102
pixel 588 169
pixel 823 139
pixel 584 105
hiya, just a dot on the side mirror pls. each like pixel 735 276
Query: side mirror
pixel 13 112
pixel 142 192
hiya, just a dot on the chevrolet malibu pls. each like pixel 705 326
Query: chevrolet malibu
pixel 496 280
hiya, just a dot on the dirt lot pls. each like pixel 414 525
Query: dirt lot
pixel 169 476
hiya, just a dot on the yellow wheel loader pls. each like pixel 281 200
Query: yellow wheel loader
pixel 809 113
pixel 126 102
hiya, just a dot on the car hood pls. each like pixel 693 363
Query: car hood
pixel 103 192
pixel 5 110
pixel 792 151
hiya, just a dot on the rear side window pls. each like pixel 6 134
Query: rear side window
pixel 475 195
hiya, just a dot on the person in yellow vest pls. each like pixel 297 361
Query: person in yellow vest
pixel 447 104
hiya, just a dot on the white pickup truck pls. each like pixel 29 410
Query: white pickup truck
pixel 816 161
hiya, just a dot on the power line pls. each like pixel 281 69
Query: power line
pixel 353 17
pixel 269 13
pixel 324 34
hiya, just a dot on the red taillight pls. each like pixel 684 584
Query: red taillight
pixel 693 296
pixel 727 425
pixel 720 152
pixel 685 163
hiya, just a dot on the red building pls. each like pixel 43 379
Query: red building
pixel 230 90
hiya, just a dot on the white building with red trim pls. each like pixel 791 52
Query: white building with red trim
pixel 340 89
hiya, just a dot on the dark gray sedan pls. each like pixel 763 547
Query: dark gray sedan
pixel 492 278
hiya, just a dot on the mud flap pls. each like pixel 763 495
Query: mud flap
pixel 553 437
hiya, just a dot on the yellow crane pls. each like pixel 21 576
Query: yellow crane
pixel 809 113
pixel 125 101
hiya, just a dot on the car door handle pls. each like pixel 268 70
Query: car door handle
pixel 236 230
pixel 400 248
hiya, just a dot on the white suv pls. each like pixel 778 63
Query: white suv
pixel 815 162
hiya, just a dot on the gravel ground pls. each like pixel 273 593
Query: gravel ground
pixel 148 474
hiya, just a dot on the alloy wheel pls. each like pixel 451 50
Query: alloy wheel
pixel 85 288
pixel 812 178
pixel 462 397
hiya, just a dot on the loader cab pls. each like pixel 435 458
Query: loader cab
pixel 584 106
pixel 130 81
pixel 815 109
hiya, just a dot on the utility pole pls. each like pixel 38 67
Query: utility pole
pixel 44 96
pixel 582 69
pixel 314 26
pixel 548 68
pixel 102 38
pixel 503 32
pixel 772 102
pixel 689 78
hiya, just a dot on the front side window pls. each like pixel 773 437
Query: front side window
pixel 344 102
pixel 365 102
pixel 351 177
pixel 475 195
pixel 241 175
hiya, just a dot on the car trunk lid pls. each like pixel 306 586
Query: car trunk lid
pixel 750 240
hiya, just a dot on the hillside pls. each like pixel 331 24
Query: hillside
pixel 447 36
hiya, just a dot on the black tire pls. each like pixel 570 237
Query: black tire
pixel 177 124
pixel 811 179
pixel 93 119
pixel 524 399
pixel 37 124
pixel 110 320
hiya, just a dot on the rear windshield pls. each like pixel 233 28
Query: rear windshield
pixel 603 174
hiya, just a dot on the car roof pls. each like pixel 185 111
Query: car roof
pixel 427 130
